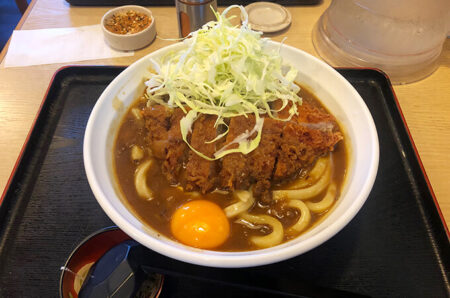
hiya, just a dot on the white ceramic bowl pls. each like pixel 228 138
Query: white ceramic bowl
pixel 129 42
pixel 331 88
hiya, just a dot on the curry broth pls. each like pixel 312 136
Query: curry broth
pixel 157 212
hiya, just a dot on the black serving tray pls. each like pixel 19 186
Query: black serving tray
pixel 172 2
pixel 396 246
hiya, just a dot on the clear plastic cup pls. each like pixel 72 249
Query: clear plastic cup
pixel 404 38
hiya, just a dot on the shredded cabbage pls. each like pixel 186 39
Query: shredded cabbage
pixel 225 71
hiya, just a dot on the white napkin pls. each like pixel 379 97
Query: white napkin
pixel 60 45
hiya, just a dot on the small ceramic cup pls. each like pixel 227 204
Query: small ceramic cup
pixel 129 42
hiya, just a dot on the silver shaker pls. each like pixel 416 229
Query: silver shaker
pixel 193 14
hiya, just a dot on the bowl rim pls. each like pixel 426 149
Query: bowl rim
pixel 120 8
pixel 233 259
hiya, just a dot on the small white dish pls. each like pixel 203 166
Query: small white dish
pixel 129 42
pixel 268 17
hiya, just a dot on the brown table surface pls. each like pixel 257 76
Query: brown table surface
pixel 425 104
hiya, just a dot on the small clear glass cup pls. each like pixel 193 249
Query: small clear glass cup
pixel 404 38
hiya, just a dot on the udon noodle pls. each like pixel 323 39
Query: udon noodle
pixel 296 196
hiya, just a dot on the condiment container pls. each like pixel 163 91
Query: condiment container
pixel 132 40
pixel 193 14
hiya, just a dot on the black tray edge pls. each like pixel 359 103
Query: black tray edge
pixel 26 142
pixel 411 140
pixel 436 203
pixel 23 151
pixel 437 237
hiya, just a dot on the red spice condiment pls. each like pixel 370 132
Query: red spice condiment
pixel 128 22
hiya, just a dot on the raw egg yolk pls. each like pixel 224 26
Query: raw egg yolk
pixel 201 224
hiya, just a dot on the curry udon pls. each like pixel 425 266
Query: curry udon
pixel 238 202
